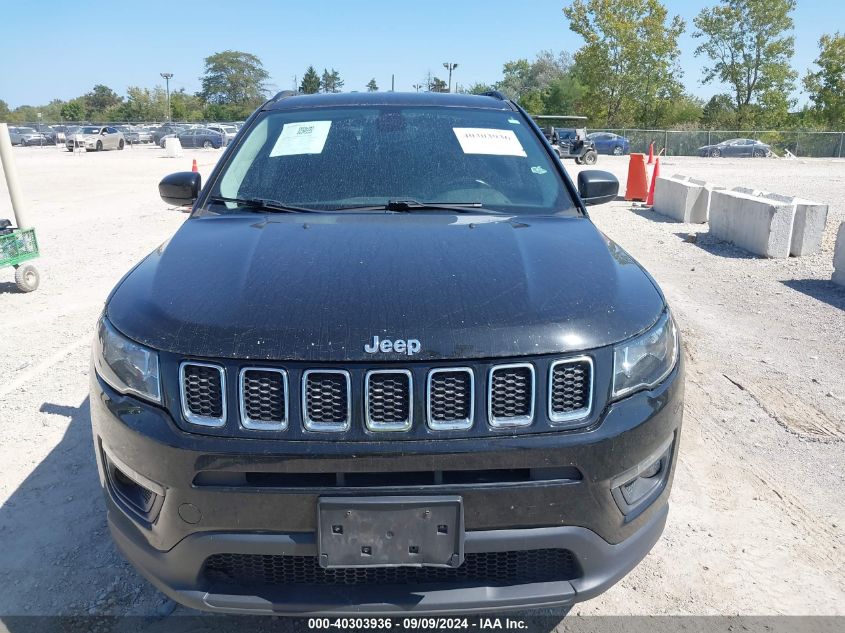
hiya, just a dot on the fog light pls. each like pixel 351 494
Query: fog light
pixel 652 470
pixel 637 487
pixel 634 490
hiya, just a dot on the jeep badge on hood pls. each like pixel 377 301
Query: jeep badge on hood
pixel 401 346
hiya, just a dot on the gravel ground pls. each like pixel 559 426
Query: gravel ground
pixel 758 504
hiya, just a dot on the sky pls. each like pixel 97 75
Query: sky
pixel 78 45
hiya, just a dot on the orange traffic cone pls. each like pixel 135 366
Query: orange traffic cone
pixel 654 176
pixel 651 153
pixel 194 166
pixel 637 187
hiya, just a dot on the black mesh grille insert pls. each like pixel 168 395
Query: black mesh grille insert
pixel 203 391
pixel 571 387
pixel 388 398
pixel 512 390
pixel 450 396
pixel 489 568
pixel 264 396
pixel 326 398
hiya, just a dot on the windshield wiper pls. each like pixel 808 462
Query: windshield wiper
pixel 406 205
pixel 264 204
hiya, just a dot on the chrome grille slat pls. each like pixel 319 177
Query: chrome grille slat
pixel 451 398
pixel 570 390
pixel 264 398
pixel 389 403
pixel 203 392
pixel 326 400
pixel 510 395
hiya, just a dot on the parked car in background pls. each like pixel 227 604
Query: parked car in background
pixel 158 133
pixel 737 147
pixel 200 137
pixel 226 129
pixel 134 134
pixel 610 143
pixel 47 131
pixel 70 130
pixel 94 137
pixel 24 136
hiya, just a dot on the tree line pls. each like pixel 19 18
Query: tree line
pixel 626 74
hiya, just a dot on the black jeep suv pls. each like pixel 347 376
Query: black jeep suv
pixel 387 364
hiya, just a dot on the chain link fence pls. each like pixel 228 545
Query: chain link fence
pixel 687 142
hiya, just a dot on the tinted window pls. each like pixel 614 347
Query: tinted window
pixel 352 156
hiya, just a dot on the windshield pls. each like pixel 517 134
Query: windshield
pixel 90 130
pixel 357 156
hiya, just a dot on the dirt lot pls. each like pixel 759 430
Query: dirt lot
pixel 758 508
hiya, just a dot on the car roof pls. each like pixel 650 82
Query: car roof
pixel 342 99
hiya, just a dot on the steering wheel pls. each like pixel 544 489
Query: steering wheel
pixel 489 194
pixel 463 182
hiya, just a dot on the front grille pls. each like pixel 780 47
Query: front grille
pixel 511 397
pixel 325 394
pixel 264 399
pixel 484 569
pixel 451 399
pixel 203 393
pixel 389 403
pixel 359 400
pixel 570 388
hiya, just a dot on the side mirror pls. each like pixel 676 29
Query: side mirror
pixel 180 189
pixel 597 187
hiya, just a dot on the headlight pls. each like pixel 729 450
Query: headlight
pixel 125 365
pixel 643 362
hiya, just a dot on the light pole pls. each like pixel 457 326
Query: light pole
pixel 450 66
pixel 167 77
pixel 417 87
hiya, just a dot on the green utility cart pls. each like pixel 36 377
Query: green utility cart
pixel 17 247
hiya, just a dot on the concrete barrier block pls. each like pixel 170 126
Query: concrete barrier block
pixel 680 177
pixel 810 220
pixel 839 257
pixel 759 225
pixel 750 191
pixel 701 210
pixel 676 199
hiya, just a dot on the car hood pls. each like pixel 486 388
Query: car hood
pixel 318 288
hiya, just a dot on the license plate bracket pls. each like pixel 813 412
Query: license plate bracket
pixel 390 531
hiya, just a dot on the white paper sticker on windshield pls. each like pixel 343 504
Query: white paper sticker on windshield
pixel 307 137
pixel 480 140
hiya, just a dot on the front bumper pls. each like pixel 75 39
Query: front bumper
pixel 195 515
pixel 174 572
pixel 87 143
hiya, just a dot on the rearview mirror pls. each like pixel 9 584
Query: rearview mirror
pixel 180 189
pixel 597 187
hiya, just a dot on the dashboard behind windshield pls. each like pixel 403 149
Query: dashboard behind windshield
pixel 343 157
